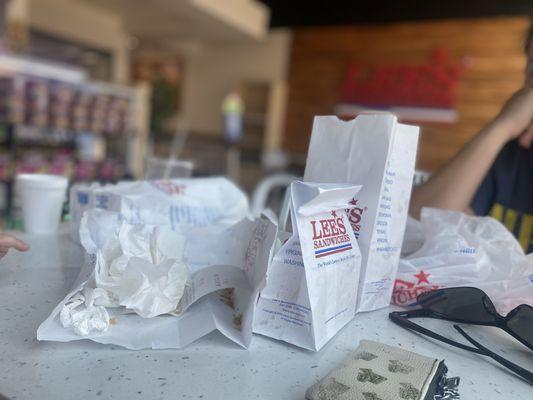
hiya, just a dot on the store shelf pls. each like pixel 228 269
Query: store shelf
pixel 54 120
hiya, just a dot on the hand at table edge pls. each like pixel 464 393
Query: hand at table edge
pixel 11 242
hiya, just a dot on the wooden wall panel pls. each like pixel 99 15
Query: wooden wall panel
pixel 320 57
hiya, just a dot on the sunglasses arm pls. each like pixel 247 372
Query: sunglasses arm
pixel 525 374
pixel 416 313
pixel 401 319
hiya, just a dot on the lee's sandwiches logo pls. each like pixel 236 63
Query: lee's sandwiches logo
pixel 329 236
pixel 169 187
pixel 355 215
pixel 405 292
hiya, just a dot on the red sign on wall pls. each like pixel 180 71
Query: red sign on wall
pixel 421 92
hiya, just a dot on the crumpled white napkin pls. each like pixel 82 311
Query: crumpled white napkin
pixel 139 267
pixel 143 269
pixel 82 315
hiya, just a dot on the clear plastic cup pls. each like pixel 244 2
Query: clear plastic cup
pixel 42 198
pixel 166 168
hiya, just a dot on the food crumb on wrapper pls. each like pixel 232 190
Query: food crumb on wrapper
pixel 237 321
pixel 227 296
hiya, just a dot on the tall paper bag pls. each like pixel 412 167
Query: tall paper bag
pixel 375 151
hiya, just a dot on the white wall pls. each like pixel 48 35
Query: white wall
pixel 250 16
pixel 81 22
pixel 214 70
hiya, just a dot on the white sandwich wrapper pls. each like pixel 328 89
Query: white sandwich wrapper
pixel 226 271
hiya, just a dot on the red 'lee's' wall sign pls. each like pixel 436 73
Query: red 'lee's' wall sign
pixel 420 93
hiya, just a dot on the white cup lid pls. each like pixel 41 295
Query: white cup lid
pixel 44 181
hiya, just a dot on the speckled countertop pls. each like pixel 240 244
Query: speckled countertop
pixel 32 284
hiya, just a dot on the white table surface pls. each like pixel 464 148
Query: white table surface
pixel 32 284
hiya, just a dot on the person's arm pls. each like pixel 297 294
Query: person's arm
pixel 454 186
pixel 10 242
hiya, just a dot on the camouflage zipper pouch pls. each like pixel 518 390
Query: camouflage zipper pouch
pixel 376 371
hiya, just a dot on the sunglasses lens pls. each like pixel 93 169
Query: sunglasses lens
pixel 462 304
pixel 522 323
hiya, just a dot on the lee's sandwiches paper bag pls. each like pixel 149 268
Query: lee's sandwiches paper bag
pixel 180 204
pixel 375 151
pixel 312 281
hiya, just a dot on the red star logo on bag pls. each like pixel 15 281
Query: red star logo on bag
pixel 334 214
pixel 422 277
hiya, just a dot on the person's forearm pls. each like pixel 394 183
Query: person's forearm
pixel 455 185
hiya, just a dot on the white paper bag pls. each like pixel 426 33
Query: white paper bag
pixel 80 200
pixel 227 269
pixel 377 152
pixel 312 281
pixel 462 250
pixel 176 203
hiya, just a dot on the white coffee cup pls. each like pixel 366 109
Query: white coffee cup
pixel 42 198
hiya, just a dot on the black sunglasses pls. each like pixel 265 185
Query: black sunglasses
pixel 471 306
